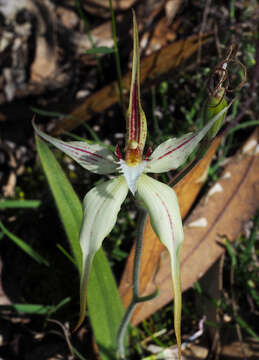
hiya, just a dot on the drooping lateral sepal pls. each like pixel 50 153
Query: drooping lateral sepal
pixel 136 119
pixel 174 152
pixel 162 205
pixel 93 157
pixel 101 206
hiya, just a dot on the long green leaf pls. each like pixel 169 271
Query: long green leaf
pixel 104 306
pixel 24 246
pixel 68 204
pixel 104 303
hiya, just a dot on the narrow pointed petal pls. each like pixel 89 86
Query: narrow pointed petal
pixel 95 158
pixel 172 153
pixel 101 207
pixel 136 119
pixel 162 205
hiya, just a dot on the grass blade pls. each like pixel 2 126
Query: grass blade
pixel 23 204
pixel 38 309
pixel 246 327
pixel 25 247
pixel 100 50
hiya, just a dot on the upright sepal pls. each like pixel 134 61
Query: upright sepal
pixel 162 205
pixel 101 206
pixel 95 158
pixel 173 153
pixel 136 119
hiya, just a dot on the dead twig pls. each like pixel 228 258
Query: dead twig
pixel 66 335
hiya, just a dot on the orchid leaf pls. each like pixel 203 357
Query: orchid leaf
pixel 68 204
pixel 104 306
pixel 162 205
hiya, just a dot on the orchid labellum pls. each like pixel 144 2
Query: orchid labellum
pixel 102 203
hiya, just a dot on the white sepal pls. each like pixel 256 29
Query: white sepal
pixel 101 206
pixel 93 157
pixel 132 174
pixel 162 205
pixel 173 153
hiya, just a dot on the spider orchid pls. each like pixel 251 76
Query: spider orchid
pixel 102 203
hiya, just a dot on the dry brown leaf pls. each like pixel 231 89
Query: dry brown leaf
pixel 230 205
pixel 171 9
pixel 187 190
pixel 117 5
pixel 152 66
pixel 45 61
pixel 102 7
pixel 195 352
pixel 163 34
pixel 67 17
pixel 235 350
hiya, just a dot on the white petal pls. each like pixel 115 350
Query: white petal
pixel 101 207
pixel 132 174
pixel 94 157
pixel 162 205
pixel 172 153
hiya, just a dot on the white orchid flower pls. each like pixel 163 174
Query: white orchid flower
pixel 102 203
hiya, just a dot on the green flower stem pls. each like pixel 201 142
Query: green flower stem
pixel 122 329
pixel 136 298
pixel 117 57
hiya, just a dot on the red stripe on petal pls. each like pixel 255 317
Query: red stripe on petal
pixel 134 115
pixel 84 151
pixel 168 214
pixel 177 148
